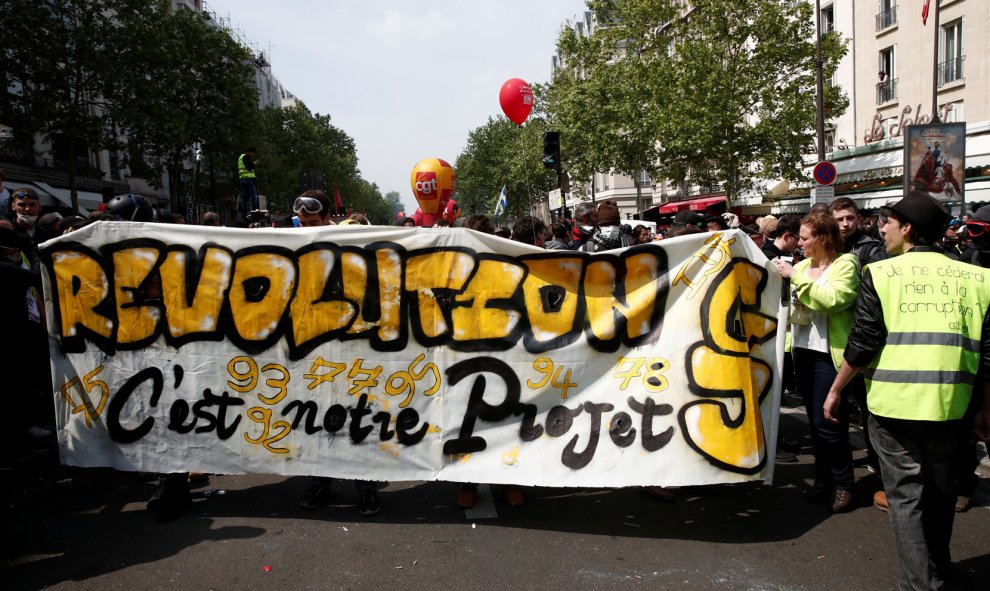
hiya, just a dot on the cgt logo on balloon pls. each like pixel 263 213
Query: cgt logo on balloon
pixel 426 185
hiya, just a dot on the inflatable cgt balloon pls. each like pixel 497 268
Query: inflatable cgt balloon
pixel 516 98
pixel 433 182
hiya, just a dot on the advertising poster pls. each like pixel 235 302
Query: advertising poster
pixel 935 160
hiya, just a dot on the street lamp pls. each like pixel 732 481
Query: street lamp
pixel 819 67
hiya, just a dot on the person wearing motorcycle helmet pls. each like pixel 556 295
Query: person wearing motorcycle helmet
pixel 132 208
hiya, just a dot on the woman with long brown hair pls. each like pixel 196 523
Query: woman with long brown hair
pixel 824 287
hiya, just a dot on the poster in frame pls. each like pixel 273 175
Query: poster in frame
pixel 935 160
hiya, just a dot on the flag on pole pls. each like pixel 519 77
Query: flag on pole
pixel 924 13
pixel 503 203
pixel 338 204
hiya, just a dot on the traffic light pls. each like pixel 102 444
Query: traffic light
pixel 551 150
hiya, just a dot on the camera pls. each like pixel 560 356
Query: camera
pixel 259 216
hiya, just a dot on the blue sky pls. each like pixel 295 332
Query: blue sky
pixel 407 80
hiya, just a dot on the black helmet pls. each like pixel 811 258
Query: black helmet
pixel 132 208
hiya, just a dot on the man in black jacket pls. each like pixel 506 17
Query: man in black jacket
pixel 866 248
pixel 783 242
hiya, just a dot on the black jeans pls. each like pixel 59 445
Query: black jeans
pixel 248 199
pixel 916 463
pixel 833 456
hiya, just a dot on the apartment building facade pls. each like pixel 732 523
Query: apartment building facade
pixel 896 59
pixel 888 74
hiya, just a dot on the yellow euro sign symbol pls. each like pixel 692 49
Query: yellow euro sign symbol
pixel 726 426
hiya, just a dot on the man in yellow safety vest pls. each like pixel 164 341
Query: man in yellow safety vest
pixel 922 331
pixel 246 164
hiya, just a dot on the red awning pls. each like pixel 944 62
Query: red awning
pixel 702 204
pixel 691 204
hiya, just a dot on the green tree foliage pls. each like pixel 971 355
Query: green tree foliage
pixel 61 58
pixel 721 92
pixel 393 199
pixel 293 140
pixel 501 153
pixel 365 197
pixel 182 82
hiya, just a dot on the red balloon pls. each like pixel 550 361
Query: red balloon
pixel 516 98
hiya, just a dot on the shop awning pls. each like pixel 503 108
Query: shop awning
pixel 87 199
pixel 690 204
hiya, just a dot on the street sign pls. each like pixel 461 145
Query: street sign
pixel 824 173
pixel 556 199
pixel 822 194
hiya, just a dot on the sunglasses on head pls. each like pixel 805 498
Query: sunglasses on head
pixel 25 194
pixel 307 204
pixel 975 228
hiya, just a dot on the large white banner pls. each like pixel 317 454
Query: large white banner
pixel 413 354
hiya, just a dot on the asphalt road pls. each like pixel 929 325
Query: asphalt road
pixel 74 529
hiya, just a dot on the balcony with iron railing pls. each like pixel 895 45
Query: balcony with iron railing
pixel 887 91
pixel 886 18
pixel 950 70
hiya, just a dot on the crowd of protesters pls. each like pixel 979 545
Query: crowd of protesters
pixel 839 323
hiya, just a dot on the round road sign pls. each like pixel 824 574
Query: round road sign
pixel 824 173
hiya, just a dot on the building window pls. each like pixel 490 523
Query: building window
pixel 887 17
pixel 829 141
pixel 887 86
pixel 950 67
pixel 952 112
pixel 644 179
pixel 828 19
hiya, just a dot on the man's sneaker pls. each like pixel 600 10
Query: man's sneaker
pixel 880 501
pixel 467 497
pixel 819 492
pixel 788 444
pixel 317 496
pixel 514 496
pixel 198 479
pixel 39 433
pixel 963 503
pixel 172 498
pixel 368 504
pixel 842 501
pixel 785 457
